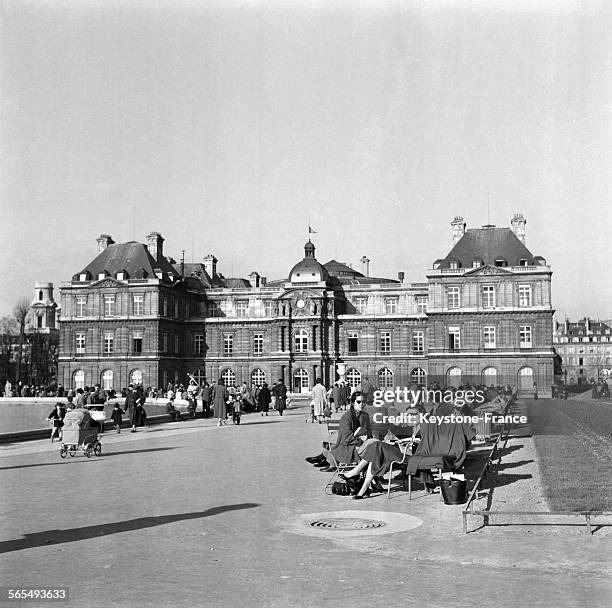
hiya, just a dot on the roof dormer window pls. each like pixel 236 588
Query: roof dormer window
pixel 523 262
pixel 501 262
pixel 83 276
pixel 101 275
pixel 476 263
pixel 454 264
pixel 122 275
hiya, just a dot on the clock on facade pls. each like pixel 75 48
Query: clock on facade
pixel 300 303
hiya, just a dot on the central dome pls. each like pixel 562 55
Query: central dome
pixel 308 270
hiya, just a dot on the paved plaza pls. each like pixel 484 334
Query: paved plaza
pixel 189 514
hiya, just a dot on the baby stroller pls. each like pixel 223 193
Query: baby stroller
pixel 80 434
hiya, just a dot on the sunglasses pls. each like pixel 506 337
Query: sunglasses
pixel 358 400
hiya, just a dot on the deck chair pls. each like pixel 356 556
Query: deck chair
pixel 333 427
pixel 405 445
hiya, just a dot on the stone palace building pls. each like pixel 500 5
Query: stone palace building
pixel 483 316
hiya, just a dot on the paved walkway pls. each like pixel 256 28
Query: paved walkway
pixel 195 515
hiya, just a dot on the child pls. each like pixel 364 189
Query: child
pixel 237 403
pixel 117 418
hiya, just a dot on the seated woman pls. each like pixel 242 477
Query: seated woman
pixel 354 429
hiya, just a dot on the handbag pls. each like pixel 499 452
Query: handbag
pixel 340 488
pixel 327 411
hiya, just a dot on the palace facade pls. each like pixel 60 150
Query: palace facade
pixel 483 316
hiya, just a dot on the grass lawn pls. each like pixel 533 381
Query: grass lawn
pixel 573 441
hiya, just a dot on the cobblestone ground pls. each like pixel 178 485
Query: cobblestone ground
pixel 195 515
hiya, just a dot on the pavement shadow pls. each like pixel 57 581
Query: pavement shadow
pixel 56 537
pixel 47 464
pixel 123 452
pixel 512 465
pixel 505 479
pixel 503 452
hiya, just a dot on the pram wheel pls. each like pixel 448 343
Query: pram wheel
pixel 72 451
pixel 63 451
pixel 97 449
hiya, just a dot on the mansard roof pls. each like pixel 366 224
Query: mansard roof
pixel 488 245
pixel 131 257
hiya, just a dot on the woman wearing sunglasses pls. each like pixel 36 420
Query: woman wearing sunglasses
pixel 354 430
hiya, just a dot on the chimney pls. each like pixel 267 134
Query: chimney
pixel 255 279
pixel 210 265
pixel 183 264
pixel 155 244
pixel 104 240
pixel 458 226
pixel 365 263
pixel 518 223
pixel 400 276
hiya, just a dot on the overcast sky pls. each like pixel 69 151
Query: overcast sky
pixel 228 126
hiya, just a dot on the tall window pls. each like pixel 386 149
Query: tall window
pixel 242 308
pixel 258 377
pixel 165 342
pixel 80 343
pixel 176 343
pixel 198 344
pixel 107 379
pixel 229 375
pixel 421 305
pixel 418 342
pixel 525 336
pixel 109 306
pixel 385 342
pixel 385 378
pixel 391 306
pixel 353 342
pixel 228 345
pixel 488 296
pixel 300 380
pixel 137 342
pixel 81 306
pixel 270 307
pixel 524 294
pixel 418 375
pixel 258 343
pixel 301 341
pixel 488 336
pixel 78 379
pixel 454 338
pixel 452 297
pixel 353 377
pixel 109 340
pixel 361 304
pixel 165 306
pixel 199 376
pixel 138 304
pixel 176 308
pixel 136 377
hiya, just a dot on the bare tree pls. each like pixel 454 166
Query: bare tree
pixel 20 312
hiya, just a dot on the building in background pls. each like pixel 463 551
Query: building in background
pixel 133 316
pixel 585 347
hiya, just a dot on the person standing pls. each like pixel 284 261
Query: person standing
pixel 264 398
pixel 130 406
pixel 367 389
pixel 220 396
pixel 280 393
pixel 319 400
pixel 117 417
pixel 205 394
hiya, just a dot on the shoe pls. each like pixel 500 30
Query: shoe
pixel 321 463
pixel 315 459
pixel 133 431
pixel 328 469
pixel 359 497
pixel 377 486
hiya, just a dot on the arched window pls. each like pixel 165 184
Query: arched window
pixel 301 382
pixel 526 379
pixel 136 377
pixel 107 379
pixel 418 376
pixel 353 377
pixel 258 377
pixel 453 377
pixel 78 379
pixel 301 341
pixel 229 376
pixel 40 296
pixel 385 378
pixel 489 376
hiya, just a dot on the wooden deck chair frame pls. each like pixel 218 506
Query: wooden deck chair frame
pixel 405 445
pixel 332 431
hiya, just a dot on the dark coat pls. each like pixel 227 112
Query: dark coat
pixel 280 392
pixel 116 415
pixel 220 395
pixel 205 393
pixel 345 449
pixel 59 416
pixel 264 398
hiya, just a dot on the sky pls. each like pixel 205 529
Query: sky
pixel 229 127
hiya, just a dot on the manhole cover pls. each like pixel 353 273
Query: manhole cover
pixel 344 524
pixel 347 523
